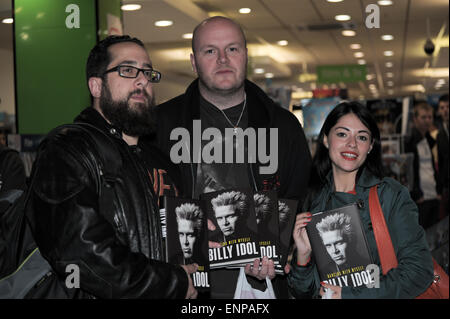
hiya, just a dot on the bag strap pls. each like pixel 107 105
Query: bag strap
pixel 386 251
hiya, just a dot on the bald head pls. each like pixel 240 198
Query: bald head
pixel 214 21
pixel 219 58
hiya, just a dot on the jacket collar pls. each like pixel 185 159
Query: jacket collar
pixel 92 116
pixel 366 180
pixel 363 184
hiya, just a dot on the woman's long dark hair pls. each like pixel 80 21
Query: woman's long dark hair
pixel 321 160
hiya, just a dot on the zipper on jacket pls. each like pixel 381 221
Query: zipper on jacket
pixel 118 219
pixel 103 182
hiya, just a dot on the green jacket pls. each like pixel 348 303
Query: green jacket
pixel 415 267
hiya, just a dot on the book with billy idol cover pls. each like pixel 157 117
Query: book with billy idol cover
pixel 233 215
pixel 339 246
pixel 187 237
pixel 266 210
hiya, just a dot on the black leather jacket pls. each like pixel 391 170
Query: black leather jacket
pixel 114 236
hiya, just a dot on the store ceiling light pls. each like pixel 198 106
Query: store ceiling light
pixel 385 2
pixel 268 75
pixel 358 54
pixel 390 83
pixel 259 71
pixel 387 37
pixel 431 72
pixel 361 61
pixel 388 53
pixel 389 64
pixel 355 46
pixel 163 23
pixel 439 83
pixel 282 42
pixel 8 20
pixel 414 88
pixel 187 36
pixel 348 33
pixel 131 7
pixel 390 75
pixel 335 1
pixel 342 17
pixel 245 10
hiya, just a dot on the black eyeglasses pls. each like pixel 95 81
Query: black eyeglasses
pixel 131 72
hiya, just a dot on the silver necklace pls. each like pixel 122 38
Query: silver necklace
pixel 240 116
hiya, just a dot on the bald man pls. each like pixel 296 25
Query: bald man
pixel 230 107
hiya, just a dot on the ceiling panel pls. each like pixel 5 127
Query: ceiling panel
pixel 141 23
pixel 293 20
pixel 292 12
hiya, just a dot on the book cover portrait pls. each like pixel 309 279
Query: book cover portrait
pixel 339 246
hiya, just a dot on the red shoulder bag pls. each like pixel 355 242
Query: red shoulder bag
pixel 438 288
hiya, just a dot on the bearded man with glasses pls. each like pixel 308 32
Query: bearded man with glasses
pixel 96 184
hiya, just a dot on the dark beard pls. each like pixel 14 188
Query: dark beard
pixel 135 121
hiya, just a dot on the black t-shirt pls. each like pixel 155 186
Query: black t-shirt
pixel 161 173
pixel 221 175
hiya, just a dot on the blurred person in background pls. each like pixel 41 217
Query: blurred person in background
pixel 421 143
pixel 443 160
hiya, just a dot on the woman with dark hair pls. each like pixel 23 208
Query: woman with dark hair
pixel 346 165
